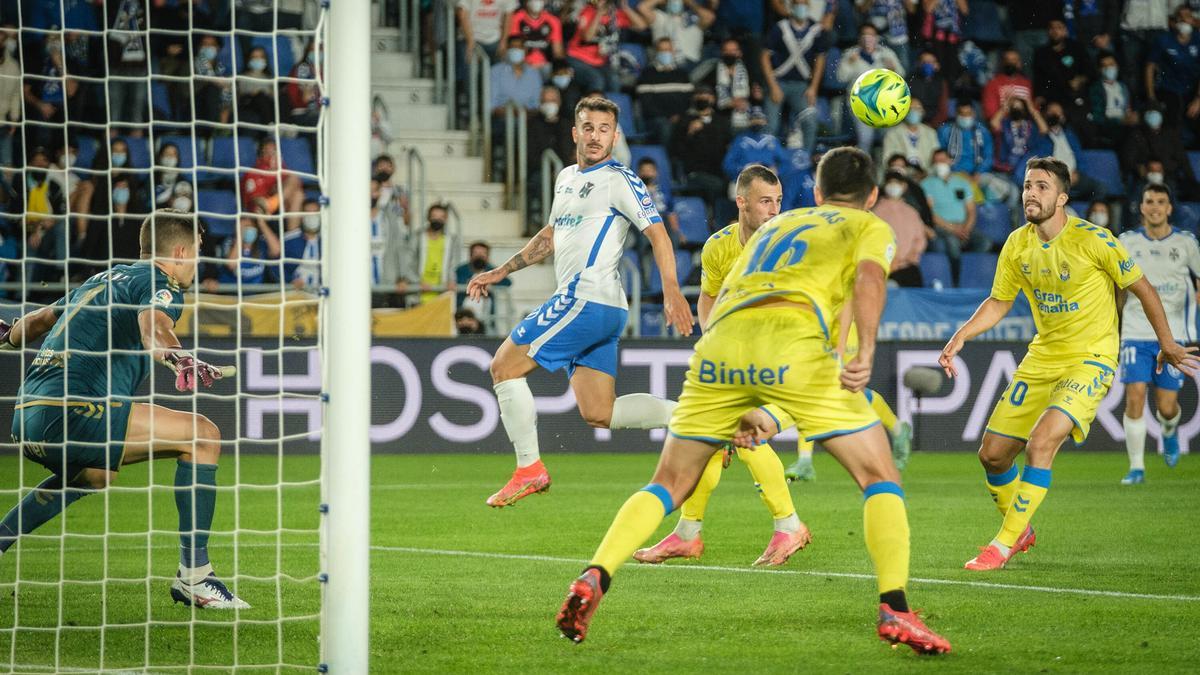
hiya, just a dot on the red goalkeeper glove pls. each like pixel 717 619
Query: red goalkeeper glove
pixel 188 370
pixel 5 331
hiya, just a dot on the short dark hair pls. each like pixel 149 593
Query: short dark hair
pixel 165 229
pixel 896 156
pixel 846 174
pixel 1156 187
pixel 436 205
pixel 484 244
pixel 1055 167
pixel 752 173
pixel 598 104
pixel 646 160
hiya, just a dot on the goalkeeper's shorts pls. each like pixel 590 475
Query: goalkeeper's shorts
pixel 570 332
pixel 69 436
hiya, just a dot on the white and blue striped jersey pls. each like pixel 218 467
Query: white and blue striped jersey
pixel 593 209
pixel 1169 264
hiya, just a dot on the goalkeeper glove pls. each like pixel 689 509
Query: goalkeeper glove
pixel 5 332
pixel 188 370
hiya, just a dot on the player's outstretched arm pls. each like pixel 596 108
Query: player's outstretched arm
pixel 536 250
pixel 1170 351
pixel 158 336
pixel 988 314
pixel 870 292
pixel 675 306
pixel 28 328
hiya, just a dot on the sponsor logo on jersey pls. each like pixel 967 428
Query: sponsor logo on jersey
pixel 1126 265
pixel 1053 303
pixel 568 220
pixel 163 298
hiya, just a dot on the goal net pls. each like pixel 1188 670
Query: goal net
pixel 109 111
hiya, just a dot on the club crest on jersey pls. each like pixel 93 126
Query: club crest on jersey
pixel 1064 271
pixel 586 190
pixel 163 298
pixel 1025 268
pixel 1174 255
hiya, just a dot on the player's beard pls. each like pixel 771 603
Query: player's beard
pixel 582 149
pixel 1043 213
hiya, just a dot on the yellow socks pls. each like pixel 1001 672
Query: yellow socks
pixel 1035 483
pixel 693 508
pixel 635 522
pixel 768 475
pixel 885 527
pixel 804 449
pixel 881 408
pixel 1003 487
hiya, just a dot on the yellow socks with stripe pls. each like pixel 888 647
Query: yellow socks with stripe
pixel 885 526
pixel 1035 483
pixel 692 511
pixel 641 514
pixel 881 408
pixel 767 470
pixel 1003 487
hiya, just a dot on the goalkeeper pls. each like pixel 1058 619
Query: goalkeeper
pixel 75 414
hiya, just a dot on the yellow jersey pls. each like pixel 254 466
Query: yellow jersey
pixel 808 256
pixel 720 251
pixel 1069 283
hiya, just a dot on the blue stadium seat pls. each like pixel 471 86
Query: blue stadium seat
pixel 224 156
pixel 1079 207
pixel 86 155
pixel 1186 216
pixel 1194 160
pixel 693 220
pixel 1104 167
pixel 984 25
pixel 139 151
pixel 683 266
pixel 160 101
pixel 297 155
pixel 184 143
pixel 651 282
pixel 936 267
pixel 978 270
pixel 217 202
pixel 993 221
pixel 829 82
pixel 659 154
pixel 636 53
pixel 625 119
pixel 651 320
pixel 81 15
pixel 226 56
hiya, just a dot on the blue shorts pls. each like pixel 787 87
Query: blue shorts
pixel 69 436
pixel 1139 358
pixel 571 332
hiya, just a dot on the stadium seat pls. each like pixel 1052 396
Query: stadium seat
pixel 978 270
pixel 1186 216
pixel 224 155
pixel 625 119
pixel 993 221
pixel 830 85
pixel 635 52
pixel 1104 167
pixel 184 143
pixel 86 155
pixel 935 267
pixel 80 15
pixel 1079 207
pixel 693 220
pixel 683 266
pixel 651 282
pixel 651 320
pixel 226 56
pixel 139 151
pixel 984 25
pixel 297 155
pixel 160 101
pixel 217 202
pixel 659 154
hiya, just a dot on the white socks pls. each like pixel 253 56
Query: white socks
pixel 788 524
pixel 519 416
pixel 640 411
pixel 192 576
pixel 1169 426
pixel 688 530
pixel 1135 441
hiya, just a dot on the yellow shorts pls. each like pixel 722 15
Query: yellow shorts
pixel 1074 386
pixel 773 355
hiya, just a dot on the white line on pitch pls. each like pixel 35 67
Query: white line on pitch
pixel 807 573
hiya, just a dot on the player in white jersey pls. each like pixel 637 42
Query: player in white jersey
pixel 1169 258
pixel 595 203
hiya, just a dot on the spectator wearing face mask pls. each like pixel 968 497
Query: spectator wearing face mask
pixel 683 22
pixel 1153 139
pixel 562 76
pixel 1173 72
pixel 261 186
pixel 478 262
pixel 437 255
pixel 648 171
pixel 303 95
pixel 246 254
pixel 953 205
pixel 394 249
pixel 1062 67
pixel 542 33
pixel 513 81
pixel 171 187
pixel 383 169
pixel 890 19
pixel 664 92
pixel 737 87
pixel 969 145
pixel 256 90
pixel 302 249
pixel 212 88
pixel 912 235
pixel 1020 128
pixel 698 142
pixel 912 139
pixel 1111 114
pixel 754 146
pixel 1061 142
pixel 466 323
pixel 793 63
pixel 928 85
pixel 940 28
pixel 1098 214
pixel 1009 83
pixel 125 227
pixel 867 55
pixel 912 175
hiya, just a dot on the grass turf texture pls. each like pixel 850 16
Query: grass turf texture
pixel 440 612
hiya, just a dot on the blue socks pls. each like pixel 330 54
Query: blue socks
pixel 36 508
pixel 196 499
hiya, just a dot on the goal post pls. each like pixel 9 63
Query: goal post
pixel 346 448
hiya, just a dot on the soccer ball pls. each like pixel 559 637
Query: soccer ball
pixel 880 98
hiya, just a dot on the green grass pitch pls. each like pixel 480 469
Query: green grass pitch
pixel 457 586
